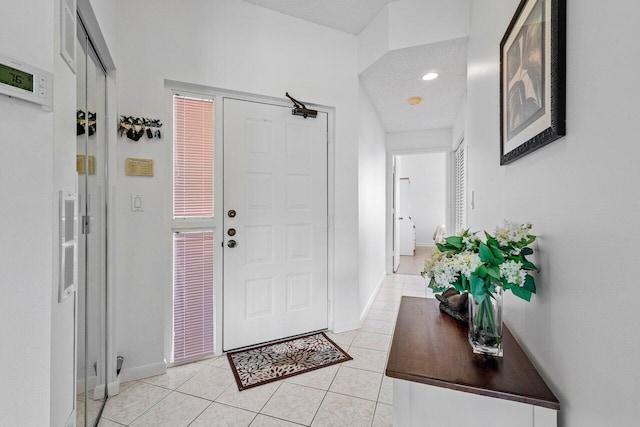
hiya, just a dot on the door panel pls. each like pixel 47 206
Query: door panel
pixel 91 164
pixel 275 179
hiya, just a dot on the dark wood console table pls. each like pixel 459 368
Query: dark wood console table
pixel 433 365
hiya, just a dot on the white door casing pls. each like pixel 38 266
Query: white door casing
pixel 407 225
pixel 395 218
pixel 275 179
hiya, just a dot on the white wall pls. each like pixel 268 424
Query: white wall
pixel 416 22
pixel 371 200
pixel 28 209
pixel 407 23
pixel 419 141
pixel 459 123
pixel 235 46
pixel 580 192
pixel 428 176
pixel 107 13
pixel 373 41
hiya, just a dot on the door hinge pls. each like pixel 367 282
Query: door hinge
pixel 85 224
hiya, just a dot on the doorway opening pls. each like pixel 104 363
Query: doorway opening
pixel 420 207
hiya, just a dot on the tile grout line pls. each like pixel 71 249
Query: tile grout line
pixel 271 397
pixel 201 412
pixel 326 393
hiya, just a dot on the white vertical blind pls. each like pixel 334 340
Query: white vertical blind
pixel 461 187
pixel 193 157
pixel 193 324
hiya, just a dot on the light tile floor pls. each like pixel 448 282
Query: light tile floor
pixel 355 393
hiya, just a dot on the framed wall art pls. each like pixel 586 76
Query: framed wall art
pixel 532 78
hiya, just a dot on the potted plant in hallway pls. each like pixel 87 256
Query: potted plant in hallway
pixel 485 269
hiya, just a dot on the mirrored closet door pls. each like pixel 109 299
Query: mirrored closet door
pixel 91 168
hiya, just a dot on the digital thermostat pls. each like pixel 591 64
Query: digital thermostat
pixel 27 82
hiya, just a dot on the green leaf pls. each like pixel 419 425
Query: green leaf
pixel 437 289
pixel 521 293
pixel 486 255
pixel 455 241
pixel 529 284
pixel 464 284
pixel 479 298
pixel 526 265
pixel 443 248
pixel 497 253
pixel 477 287
pixel 526 251
pixel 481 272
pixel 494 272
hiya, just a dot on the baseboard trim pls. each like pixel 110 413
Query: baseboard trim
pixel 98 391
pixel 144 371
pixel 372 298
pixel 71 421
pixel 426 245
pixel 114 388
pixel 92 382
pixel 347 326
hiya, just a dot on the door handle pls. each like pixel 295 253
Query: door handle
pixel 231 243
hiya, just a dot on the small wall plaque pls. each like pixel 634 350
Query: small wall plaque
pixel 92 165
pixel 139 167
pixel 80 159
pixel 80 162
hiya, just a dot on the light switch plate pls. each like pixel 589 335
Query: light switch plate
pixel 136 203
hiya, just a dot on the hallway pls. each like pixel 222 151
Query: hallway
pixel 413 265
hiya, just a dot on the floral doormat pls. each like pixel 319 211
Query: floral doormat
pixel 275 361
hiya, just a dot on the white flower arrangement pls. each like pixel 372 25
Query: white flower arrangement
pixel 468 264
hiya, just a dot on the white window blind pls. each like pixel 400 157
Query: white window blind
pixel 461 187
pixel 193 292
pixel 193 324
pixel 193 157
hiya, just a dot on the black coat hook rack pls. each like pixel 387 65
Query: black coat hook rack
pixel 136 127
pixel 82 122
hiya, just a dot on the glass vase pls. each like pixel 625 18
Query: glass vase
pixel 485 323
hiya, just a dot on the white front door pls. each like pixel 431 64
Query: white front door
pixel 275 223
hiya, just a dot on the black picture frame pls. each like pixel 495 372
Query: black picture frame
pixel 532 78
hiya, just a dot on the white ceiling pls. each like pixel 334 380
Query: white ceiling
pixel 396 76
pixel 350 16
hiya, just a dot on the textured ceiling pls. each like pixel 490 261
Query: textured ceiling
pixel 397 76
pixel 350 16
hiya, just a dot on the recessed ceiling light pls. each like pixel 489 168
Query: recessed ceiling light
pixel 415 100
pixel 429 76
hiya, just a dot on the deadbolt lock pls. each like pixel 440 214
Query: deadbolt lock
pixel 231 213
pixel 231 232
